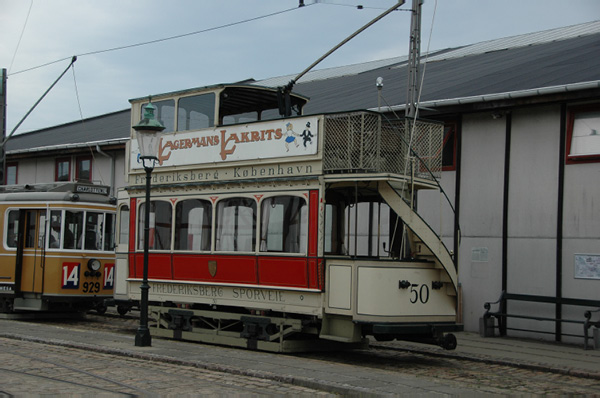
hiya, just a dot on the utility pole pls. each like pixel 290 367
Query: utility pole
pixel 3 125
pixel 414 58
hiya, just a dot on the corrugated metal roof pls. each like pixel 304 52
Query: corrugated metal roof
pixel 524 40
pixel 103 128
pixel 504 43
pixel 328 73
pixel 525 63
pixel 557 63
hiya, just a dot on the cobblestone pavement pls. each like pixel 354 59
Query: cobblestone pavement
pixel 478 376
pixel 425 369
pixel 32 368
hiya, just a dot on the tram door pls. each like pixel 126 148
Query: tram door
pixel 30 260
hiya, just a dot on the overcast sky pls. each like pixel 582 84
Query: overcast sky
pixel 236 40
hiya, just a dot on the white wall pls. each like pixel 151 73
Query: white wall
pixel 41 169
pixel 482 179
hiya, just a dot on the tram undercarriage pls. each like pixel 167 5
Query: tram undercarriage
pixel 277 333
pixel 260 330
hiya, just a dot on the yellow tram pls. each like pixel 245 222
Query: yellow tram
pixel 57 247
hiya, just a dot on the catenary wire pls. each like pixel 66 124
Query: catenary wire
pixel 20 37
pixel 160 40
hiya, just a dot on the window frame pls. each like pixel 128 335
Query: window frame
pixel 10 165
pixel 572 113
pixel 57 163
pixel 453 125
pixel 78 162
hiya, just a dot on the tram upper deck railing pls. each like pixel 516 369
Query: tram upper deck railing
pixel 365 142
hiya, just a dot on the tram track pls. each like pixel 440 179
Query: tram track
pixel 45 368
pixel 495 376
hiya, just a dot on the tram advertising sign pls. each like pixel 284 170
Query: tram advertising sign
pixel 264 140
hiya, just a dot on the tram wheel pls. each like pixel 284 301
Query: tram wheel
pixel 6 305
pixel 122 310
pixel 449 342
pixel 101 308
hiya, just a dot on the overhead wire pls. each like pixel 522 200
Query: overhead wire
pixel 21 36
pixel 160 40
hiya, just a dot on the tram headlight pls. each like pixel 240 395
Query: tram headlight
pixel 93 265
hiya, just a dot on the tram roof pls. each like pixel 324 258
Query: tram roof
pixel 56 191
pixel 236 97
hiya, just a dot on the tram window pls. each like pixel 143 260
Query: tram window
pixel 284 225
pixel 55 229
pixel 365 228
pixel 42 229
pixel 236 225
pixel 12 228
pixel 123 225
pixel 73 231
pixel 30 229
pixel 159 225
pixel 331 229
pixel 368 228
pixel 165 113
pixel 109 232
pixel 240 118
pixel 93 231
pixel 193 220
pixel 196 112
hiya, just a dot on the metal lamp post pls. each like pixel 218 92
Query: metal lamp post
pixel 147 132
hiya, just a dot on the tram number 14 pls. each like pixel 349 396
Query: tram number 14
pixel 70 275
pixel 419 293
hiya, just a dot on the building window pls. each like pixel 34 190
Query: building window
pixel 449 151
pixel 83 168
pixel 11 173
pixel 62 170
pixel 583 134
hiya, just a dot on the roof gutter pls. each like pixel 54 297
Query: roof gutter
pixel 68 146
pixel 498 96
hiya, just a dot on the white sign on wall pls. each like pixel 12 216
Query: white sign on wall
pixel 266 140
pixel 587 266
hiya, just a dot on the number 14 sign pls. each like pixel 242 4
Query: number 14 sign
pixel 70 275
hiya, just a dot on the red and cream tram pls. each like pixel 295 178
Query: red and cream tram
pixel 57 250
pixel 285 234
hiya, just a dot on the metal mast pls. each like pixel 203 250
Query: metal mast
pixel 414 58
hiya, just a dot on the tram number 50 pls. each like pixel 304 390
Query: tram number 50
pixel 419 293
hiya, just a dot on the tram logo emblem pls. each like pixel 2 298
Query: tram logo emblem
pixel 212 268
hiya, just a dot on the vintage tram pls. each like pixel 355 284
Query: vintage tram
pixel 285 233
pixel 57 250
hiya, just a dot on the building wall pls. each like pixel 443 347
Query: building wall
pixel 481 193
pixel 108 171
pixel 533 210
pixel 532 220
